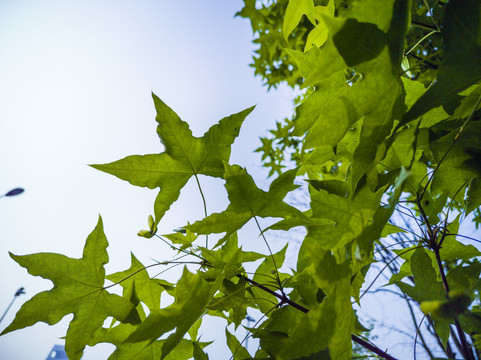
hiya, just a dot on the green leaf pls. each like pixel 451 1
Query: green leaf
pixel 462 59
pixel 232 301
pixel 414 90
pixel 194 329
pixel 356 42
pixel 305 221
pixel 465 277
pixel 329 324
pixel 294 12
pixel 145 350
pixel 267 274
pixel 374 94
pixel 228 259
pixel 318 35
pixel 350 214
pixel 248 201
pixel 427 287
pixel 452 249
pixel 473 196
pixel 78 289
pixel 337 187
pixel 305 290
pixel 373 231
pixel 184 156
pixel 199 354
pixel 239 352
pixel 467 105
pixel 460 165
pixel 319 65
pixel 185 240
pixel 192 295
pixel 137 284
pixel 390 229
pixel 457 303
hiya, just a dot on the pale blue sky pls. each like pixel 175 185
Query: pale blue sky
pixel 75 84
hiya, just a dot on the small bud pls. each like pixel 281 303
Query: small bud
pixel 145 233
pixel 152 229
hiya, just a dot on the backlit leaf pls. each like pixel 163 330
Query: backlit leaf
pixel 248 201
pixel 294 12
pixel 462 60
pixel 192 295
pixel 78 289
pixel 184 156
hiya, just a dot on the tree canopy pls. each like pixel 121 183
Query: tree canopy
pixel 385 146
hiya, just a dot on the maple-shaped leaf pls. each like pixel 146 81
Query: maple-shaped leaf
pixel 145 350
pixel 248 201
pixel 192 296
pixel 368 45
pixel 331 320
pixel 78 289
pixel 295 10
pixel 138 286
pixel 184 156
pixel 427 287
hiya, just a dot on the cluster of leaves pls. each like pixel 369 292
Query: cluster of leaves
pixel 371 139
pixel 422 56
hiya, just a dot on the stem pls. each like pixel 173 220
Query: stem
pixel 462 337
pixel 284 299
pixel 8 308
pixel 431 236
pixel 385 267
pixel 420 41
pixel 418 329
pixel 441 271
pixel 447 350
pixel 178 249
pixel 152 265
pixel 270 252
pixel 249 332
pixel 456 341
pixel 431 14
pixel 423 26
pixel 371 347
pixel 205 208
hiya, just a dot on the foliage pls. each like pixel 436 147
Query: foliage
pixel 369 139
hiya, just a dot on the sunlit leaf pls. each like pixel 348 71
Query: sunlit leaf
pixel 294 12
pixel 248 201
pixel 192 295
pixel 184 156
pixel 78 289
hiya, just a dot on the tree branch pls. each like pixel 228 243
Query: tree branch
pixel 284 299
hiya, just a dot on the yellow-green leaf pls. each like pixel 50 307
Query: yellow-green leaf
pixel 184 156
pixel 78 289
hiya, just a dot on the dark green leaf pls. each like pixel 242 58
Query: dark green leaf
pixel 462 59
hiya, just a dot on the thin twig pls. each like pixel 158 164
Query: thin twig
pixel 205 208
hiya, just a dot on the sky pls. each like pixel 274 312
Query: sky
pixel 76 79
